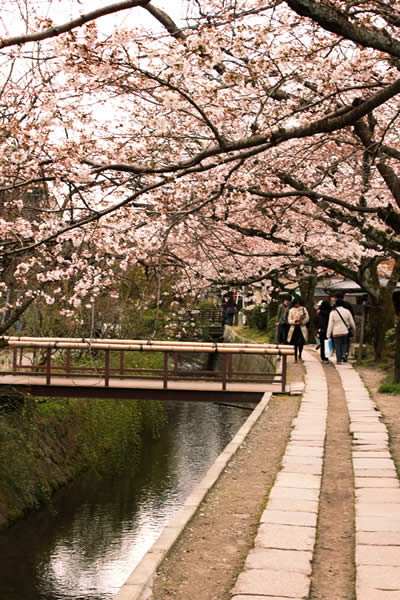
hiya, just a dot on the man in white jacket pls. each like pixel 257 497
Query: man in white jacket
pixel 340 321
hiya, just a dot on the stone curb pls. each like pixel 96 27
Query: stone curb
pixel 139 583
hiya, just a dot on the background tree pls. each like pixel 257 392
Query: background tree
pixel 144 135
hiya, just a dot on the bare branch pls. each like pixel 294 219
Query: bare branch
pixel 166 21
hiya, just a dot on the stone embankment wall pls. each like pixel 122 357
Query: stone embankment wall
pixel 249 363
pixel 46 444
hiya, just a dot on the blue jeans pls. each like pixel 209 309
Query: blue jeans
pixel 340 343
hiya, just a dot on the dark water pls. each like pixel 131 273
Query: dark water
pixel 86 542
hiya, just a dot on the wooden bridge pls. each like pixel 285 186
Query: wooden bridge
pixel 49 367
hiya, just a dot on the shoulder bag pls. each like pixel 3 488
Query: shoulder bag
pixel 349 329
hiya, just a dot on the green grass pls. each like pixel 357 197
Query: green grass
pixel 255 335
pixel 389 388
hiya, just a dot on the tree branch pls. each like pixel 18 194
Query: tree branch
pixel 56 30
pixel 334 20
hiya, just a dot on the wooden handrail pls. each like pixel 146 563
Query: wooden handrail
pixel 147 345
pixel 225 374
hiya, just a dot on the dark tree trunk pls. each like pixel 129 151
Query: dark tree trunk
pixel 381 319
pixel 397 354
pixel 307 287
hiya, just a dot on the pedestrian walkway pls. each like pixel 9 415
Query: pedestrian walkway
pixel 280 564
pixel 377 496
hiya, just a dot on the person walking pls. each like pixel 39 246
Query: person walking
pixel 336 297
pixel 230 311
pixel 339 325
pixel 282 321
pixel 321 327
pixel 298 318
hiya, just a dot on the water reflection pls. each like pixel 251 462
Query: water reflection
pixel 85 544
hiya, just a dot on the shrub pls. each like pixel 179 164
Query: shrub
pixel 257 318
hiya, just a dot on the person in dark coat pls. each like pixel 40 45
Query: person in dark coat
pixel 321 327
pixel 282 321
pixel 230 311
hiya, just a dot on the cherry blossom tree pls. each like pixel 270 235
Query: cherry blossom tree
pixel 257 137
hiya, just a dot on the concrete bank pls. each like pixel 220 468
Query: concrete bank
pixel 139 584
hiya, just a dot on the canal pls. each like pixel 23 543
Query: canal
pixel 86 541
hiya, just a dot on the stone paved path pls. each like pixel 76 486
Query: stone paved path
pixel 280 564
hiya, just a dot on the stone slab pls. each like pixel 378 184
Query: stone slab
pixel 317 436
pixel 284 517
pixel 380 577
pixel 278 560
pixel 385 555
pixel 294 459
pixel 376 496
pixel 310 469
pixel 282 491
pixel 378 538
pixel 293 504
pixel 373 523
pixel 299 449
pixel 366 447
pixel 272 583
pixel 366 593
pixel 373 463
pixel 366 509
pixel 305 441
pixel 371 437
pixel 384 453
pixel 374 427
pixel 376 482
pixel 365 417
pixel 285 537
pixel 298 480
pixel 375 473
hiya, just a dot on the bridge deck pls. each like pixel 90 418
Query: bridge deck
pixel 142 388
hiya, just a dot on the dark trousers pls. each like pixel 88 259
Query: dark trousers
pixel 298 349
pixel 340 343
pixel 322 338
pixel 283 330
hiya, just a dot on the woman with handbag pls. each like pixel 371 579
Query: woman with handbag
pixel 298 319
pixel 340 324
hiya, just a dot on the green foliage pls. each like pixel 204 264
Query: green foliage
pixel 257 318
pixel 205 304
pixel 390 388
pixel 390 335
pixel 253 334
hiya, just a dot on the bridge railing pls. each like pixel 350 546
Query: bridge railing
pixel 171 371
pixel 201 315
